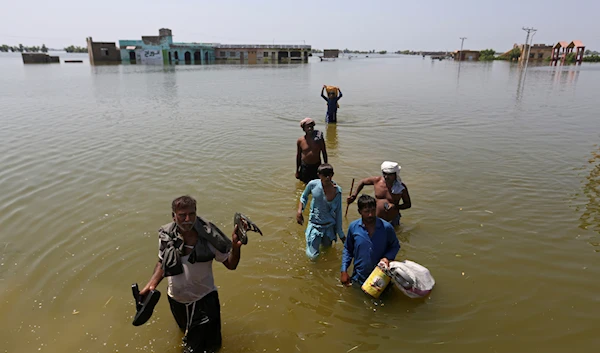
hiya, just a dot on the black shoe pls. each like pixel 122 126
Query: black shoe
pixel 145 309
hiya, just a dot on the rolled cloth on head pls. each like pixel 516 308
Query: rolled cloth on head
pixel 306 121
pixel 393 167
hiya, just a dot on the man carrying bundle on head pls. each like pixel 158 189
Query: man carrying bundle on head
pixel 309 150
pixel 389 190
pixel 332 99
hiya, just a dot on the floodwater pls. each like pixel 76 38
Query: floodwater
pixel 503 170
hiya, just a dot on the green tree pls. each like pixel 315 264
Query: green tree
pixel 570 58
pixel 487 55
pixel 21 48
pixel 594 58
pixel 383 52
pixel 44 49
pixel 4 48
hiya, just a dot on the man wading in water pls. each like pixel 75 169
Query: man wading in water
pixel 187 248
pixel 389 190
pixel 310 146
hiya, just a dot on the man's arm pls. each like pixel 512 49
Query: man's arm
pixel 157 276
pixel 298 158
pixel 347 257
pixel 338 221
pixel 361 184
pixel 324 150
pixel 302 204
pixel 341 95
pixel 322 95
pixel 234 255
pixel 405 199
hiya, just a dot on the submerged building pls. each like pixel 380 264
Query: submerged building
pixel 162 50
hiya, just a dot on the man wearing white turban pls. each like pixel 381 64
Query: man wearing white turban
pixel 389 190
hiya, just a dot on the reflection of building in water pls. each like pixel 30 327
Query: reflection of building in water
pixel 161 50
pixel 590 218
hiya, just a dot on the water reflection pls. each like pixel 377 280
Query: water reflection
pixel 331 139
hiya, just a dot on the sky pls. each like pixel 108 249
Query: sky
pixel 364 25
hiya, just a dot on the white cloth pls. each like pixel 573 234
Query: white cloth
pixel 196 281
pixel 393 167
pixel 412 279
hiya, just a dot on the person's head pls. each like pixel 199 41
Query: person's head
pixel 331 94
pixel 308 125
pixel 325 172
pixel 183 210
pixel 390 171
pixel 367 207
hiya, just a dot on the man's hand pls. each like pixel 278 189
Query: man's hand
pixel 351 199
pixel 236 243
pixel 297 175
pixel 144 292
pixel 386 262
pixel 345 279
pixel 299 218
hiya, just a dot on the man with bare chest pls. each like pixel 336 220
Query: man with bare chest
pixel 309 150
pixel 389 190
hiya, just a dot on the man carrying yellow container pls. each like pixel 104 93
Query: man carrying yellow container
pixel 369 240
pixel 334 94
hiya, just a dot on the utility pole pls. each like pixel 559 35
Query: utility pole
pixel 462 41
pixel 528 30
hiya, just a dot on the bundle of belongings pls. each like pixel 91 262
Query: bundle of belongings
pixel 412 279
pixel 332 90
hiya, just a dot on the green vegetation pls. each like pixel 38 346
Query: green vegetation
pixel 316 51
pixel 383 52
pixel 570 58
pixel 487 55
pixel 590 52
pixel 512 55
pixel 594 58
pixel 23 49
pixel 73 49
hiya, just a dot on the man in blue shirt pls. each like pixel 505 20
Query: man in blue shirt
pixel 325 219
pixel 369 240
pixel 332 104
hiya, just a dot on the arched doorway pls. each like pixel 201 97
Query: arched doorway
pixel 206 58
pixel 170 59
pixel 176 56
pixel 188 58
pixel 197 58
pixel 132 57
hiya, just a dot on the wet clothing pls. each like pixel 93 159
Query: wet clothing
pixel 332 107
pixel 201 321
pixel 325 219
pixel 308 172
pixel 365 250
pixel 170 245
pixel 191 290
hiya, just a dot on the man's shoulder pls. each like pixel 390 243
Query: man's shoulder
pixel 167 228
pixel 313 183
pixel 355 223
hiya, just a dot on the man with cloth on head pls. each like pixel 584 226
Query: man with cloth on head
pixel 309 150
pixel 389 190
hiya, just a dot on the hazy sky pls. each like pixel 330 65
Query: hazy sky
pixel 380 25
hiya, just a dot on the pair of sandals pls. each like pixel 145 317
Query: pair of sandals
pixel 145 308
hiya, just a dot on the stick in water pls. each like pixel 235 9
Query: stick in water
pixel 347 204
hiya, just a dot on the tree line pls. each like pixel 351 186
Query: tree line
pixel 36 49
pixel 23 49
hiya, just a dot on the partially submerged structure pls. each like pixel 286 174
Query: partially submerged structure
pixel 39 58
pixel 561 50
pixel 102 52
pixel 162 50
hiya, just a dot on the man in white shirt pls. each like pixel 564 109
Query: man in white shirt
pixel 187 248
